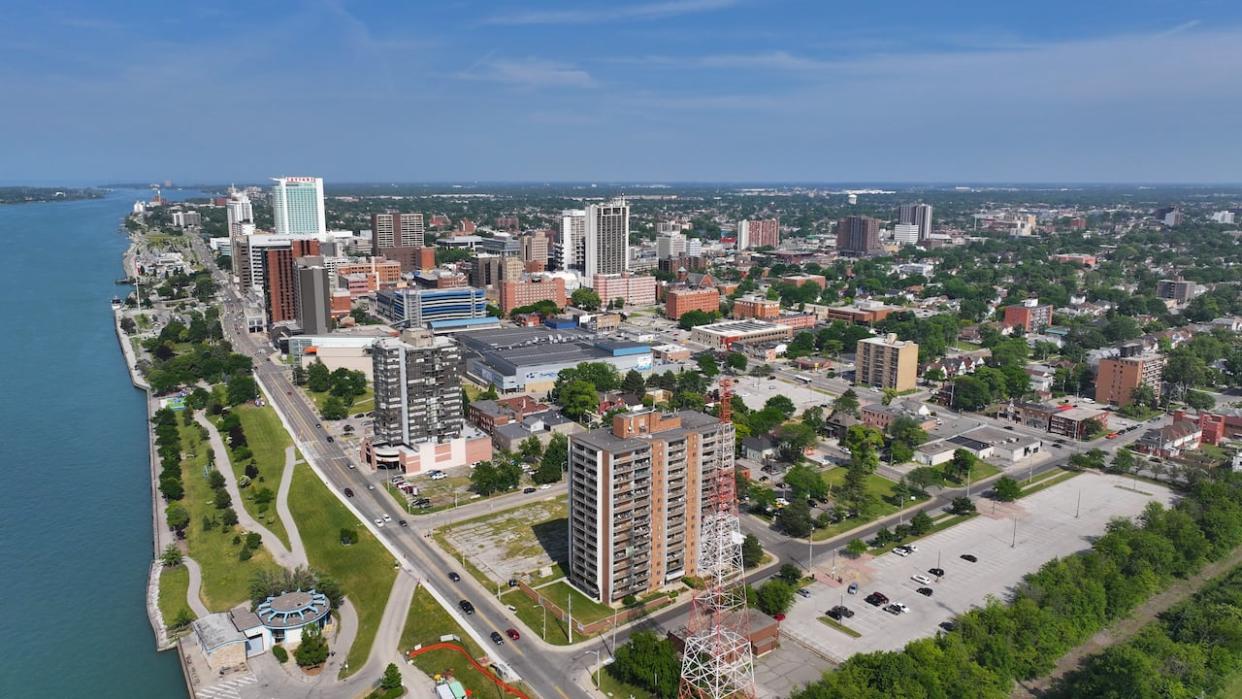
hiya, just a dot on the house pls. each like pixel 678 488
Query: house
pixel 617 400
pixel 959 365
pixel 1172 440
pixel 759 449
pixel 487 415
pixel 542 426
pixel 1040 377
pixel 839 422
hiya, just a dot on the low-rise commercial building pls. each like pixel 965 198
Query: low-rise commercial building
pixel 722 335
pixel 756 308
pixel 415 307
pixel 1078 423
pixel 528 359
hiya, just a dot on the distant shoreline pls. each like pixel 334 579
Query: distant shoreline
pixel 32 195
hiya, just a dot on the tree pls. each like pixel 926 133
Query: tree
pixel 920 523
pixel 790 573
pixel 795 519
pixel 530 449
pixel 774 597
pixel 846 403
pixel 960 466
pixel 806 482
pixel 241 388
pixel 934 375
pixel 392 677
pixel 634 383
pixel 970 393
pixel 962 506
pixel 707 365
pixel 795 438
pixel 585 298
pixel 1200 400
pixel 752 551
pixel 1006 489
pixel 349 537
pixel 171 556
pixel 1123 461
pixel 691 319
pixel 299 375
pixel 578 399
pixel 313 650
pixel 318 378
pixel 856 547
pixel 650 662
pixel 782 404
pixel 737 361
pixel 178 518
pixel 554 460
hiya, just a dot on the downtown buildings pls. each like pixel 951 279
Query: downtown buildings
pixel 638 493
pixel 917 215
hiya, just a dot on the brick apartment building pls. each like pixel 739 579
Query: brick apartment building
pixel 679 301
pixel 524 292
pixel 1117 377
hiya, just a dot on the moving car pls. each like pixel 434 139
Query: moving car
pixel 529 490
pixel 331 439
pixel 513 634
pixel 804 593
pixel 379 522
pixel 840 612
pixel 852 589
pixel 403 523
pixel 466 607
pixel 921 579
pixel 969 557
pixel 454 577
pixel 925 591
pixel 349 492
pixel 497 638
pixel 387 518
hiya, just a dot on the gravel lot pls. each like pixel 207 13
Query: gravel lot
pixel 1046 528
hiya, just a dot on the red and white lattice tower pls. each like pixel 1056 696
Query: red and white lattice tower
pixel 717 662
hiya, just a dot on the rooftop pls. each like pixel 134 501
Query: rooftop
pixel 293 609
pixel 738 327
pixel 507 349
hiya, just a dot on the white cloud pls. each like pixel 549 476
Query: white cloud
pixel 652 10
pixel 531 73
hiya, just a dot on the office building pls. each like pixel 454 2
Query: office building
pixel 886 362
pixel 572 248
pixel 680 301
pixel 670 245
pixel 638 493
pixel 535 247
pixel 758 233
pixel 490 270
pixel 297 206
pixel 1028 315
pixel 313 298
pixel 378 271
pixel 1178 290
pixel 919 215
pixel 607 236
pixel 418 422
pixel 1117 377
pixel 529 359
pixel 906 234
pixel 633 290
pixel 858 236
pixel 186 219
pixel 420 307
pixel 756 308
pixel 723 335
pixel 524 292
pixel 396 230
pixel 238 210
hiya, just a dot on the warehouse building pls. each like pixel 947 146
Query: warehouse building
pixel 529 359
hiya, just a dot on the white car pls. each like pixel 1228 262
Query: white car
pixel 545 486
pixel 921 579
pixel 379 522
pixel 437 475
pixel 387 518
pixel 901 551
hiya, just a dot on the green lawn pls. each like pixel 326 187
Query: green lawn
pixel 226 578
pixel 174 585
pixel 586 610
pixel 426 623
pixel 532 615
pixel 361 404
pixel 878 486
pixel 937 525
pixel 364 570
pixel 617 689
pixel 266 437
pixel 1046 480
pixel 832 623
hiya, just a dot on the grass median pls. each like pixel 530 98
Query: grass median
pixel 267 439
pixel 365 570
pixel 833 623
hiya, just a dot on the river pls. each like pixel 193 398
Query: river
pixel 75 526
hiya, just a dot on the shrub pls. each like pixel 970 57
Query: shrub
pixel 280 654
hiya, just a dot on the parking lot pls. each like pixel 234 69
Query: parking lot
pixel 1049 524
pixel 514 542
pixel 755 391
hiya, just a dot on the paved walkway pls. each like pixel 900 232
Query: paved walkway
pixel 283 556
pixel 282 505
pixel 194 593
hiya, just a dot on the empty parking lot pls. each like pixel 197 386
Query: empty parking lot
pixel 1046 527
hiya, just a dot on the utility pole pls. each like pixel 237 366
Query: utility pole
pixel 571 617
pixel 1014 543
pixel 613 652
pixel 1078 507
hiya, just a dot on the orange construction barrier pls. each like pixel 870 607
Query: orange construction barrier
pixel 484 670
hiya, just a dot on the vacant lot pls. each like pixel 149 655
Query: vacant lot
pixel 1010 540
pixel 879 487
pixel 513 542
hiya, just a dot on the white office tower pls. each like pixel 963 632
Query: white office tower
pixel 694 247
pixel 607 238
pixel 670 245
pixel 238 209
pixel 572 248
pixel 906 233
pixel 297 206
pixel 919 215
pixel 1226 217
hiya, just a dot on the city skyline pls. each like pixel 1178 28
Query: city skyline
pixel 974 93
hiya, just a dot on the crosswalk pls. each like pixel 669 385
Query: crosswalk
pixel 227 689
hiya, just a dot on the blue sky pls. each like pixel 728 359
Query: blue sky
pixel 654 90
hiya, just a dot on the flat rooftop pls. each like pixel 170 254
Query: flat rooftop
pixel 738 327
pixel 507 349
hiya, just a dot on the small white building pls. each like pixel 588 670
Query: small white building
pixel 934 453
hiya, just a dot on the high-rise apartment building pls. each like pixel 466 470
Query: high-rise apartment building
pixel 607 238
pixel 858 236
pixel 297 206
pixel 638 493
pixel 886 362
pixel 670 245
pixel 919 215
pixel 1117 377
pixel 572 250
pixel 535 247
pixel 396 230
pixel 313 295
pixel 279 283
pixel 238 209
pixel 758 233
pixel 906 233
pixel 490 270
pixel 1029 315
pixel 1178 289
pixel 417 388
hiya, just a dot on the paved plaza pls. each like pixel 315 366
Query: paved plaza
pixel 1010 541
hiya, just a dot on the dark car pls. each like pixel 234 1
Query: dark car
pixel 497 638
pixel 360 415
pixel 466 607
pixel 969 557
pixel 876 599
pixel 948 625
pixel 330 439
pixel 512 582
pixel 839 612
pixel 528 491
pixel 513 634
pixel 938 572
pixel 925 591
pixel 349 492
pixel 403 523
pixel 454 577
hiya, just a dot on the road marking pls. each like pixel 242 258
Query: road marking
pixel 560 691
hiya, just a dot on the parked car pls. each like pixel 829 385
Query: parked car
pixel 497 638
pixel 876 599
pixel 925 591
pixel 804 593
pixel 513 634
pixel 437 475
pixel 349 492
pixel 948 625
pixel 840 612
pixel 969 557
pixel 529 490
pixel 466 607
pixel 896 608
pixel 938 572
pixel 921 579
pixel 454 577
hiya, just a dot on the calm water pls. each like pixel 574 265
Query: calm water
pixel 75 523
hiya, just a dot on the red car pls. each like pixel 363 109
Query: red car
pixel 513 634
pixel 1112 435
